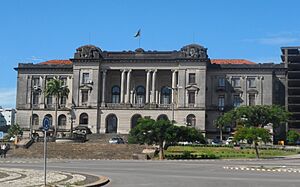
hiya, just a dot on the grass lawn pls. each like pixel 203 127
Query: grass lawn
pixel 224 152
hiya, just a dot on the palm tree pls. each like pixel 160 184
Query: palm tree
pixel 57 89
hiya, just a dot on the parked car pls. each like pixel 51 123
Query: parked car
pixel 216 142
pixel 229 140
pixel 83 129
pixel 116 140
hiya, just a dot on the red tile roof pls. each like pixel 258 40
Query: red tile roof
pixel 231 61
pixel 213 61
pixel 56 62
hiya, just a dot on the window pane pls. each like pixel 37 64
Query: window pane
pixel 221 102
pixel 236 101
pixel 36 82
pixel 236 82
pixel 192 78
pixel 84 97
pixel 221 82
pixel 251 83
pixel 251 99
pixel 35 98
pixel 85 78
pixel 191 97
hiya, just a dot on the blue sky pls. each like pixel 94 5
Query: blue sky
pixel 35 30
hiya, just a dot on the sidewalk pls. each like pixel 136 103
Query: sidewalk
pixel 28 178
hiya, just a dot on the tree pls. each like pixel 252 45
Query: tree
pixel 14 131
pixel 255 116
pixel 223 121
pixel 254 135
pixel 162 132
pixel 57 89
pixel 292 136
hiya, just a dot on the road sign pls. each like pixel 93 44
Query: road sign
pixel 1 135
pixel 46 124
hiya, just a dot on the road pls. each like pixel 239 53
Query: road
pixel 206 173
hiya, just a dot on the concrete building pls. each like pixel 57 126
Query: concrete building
pixel 7 116
pixel 110 90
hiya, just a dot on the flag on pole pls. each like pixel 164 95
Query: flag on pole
pixel 138 34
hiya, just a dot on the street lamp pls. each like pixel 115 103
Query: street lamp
pixel 173 89
pixel 35 89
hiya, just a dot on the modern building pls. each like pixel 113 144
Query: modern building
pixel 111 90
pixel 7 116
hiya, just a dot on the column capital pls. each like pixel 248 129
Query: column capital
pixel 104 70
pixel 148 70
pixel 174 70
pixel 123 70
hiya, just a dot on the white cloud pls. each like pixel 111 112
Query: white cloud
pixel 284 38
pixel 8 97
pixel 278 40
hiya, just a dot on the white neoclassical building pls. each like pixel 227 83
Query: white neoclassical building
pixel 110 90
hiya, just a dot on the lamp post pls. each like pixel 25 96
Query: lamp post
pixel 173 114
pixel 34 90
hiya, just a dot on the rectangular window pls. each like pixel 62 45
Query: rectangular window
pixel 192 78
pixel 221 82
pixel 49 100
pixel 63 100
pixel 84 96
pixel 251 82
pixel 235 81
pixel 35 98
pixel 191 97
pixel 221 102
pixel 36 81
pixel 236 101
pixel 64 81
pixel 251 99
pixel 85 78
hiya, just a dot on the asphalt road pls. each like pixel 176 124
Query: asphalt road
pixel 206 173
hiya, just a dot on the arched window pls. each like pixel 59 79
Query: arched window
pixel 83 119
pixel 115 92
pixel 166 95
pixel 191 120
pixel 140 94
pixel 35 120
pixel 111 123
pixel 134 120
pixel 162 117
pixel 50 118
pixel 62 120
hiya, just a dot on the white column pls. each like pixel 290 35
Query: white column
pixel 131 97
pixel 103 87
pixel 153 87
pixel 173 84
pixel 122 86
pixel 128 87
pixel 147 85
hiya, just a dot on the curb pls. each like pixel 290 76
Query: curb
pixel 102 181
pixel 289 170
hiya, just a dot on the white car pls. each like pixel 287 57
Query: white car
pixel 229 140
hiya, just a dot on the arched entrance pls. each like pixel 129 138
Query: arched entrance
pixel 191 120
pixel 162 117
pixel 134 120
pixel 111 123
pixel 83 119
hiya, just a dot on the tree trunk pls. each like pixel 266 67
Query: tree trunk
pixel 161 151
pixel 256 149
pixel 221 134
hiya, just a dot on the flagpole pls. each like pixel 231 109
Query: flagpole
pixel 140 41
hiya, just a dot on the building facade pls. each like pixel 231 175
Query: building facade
pixel 110 91
pixel 7 116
